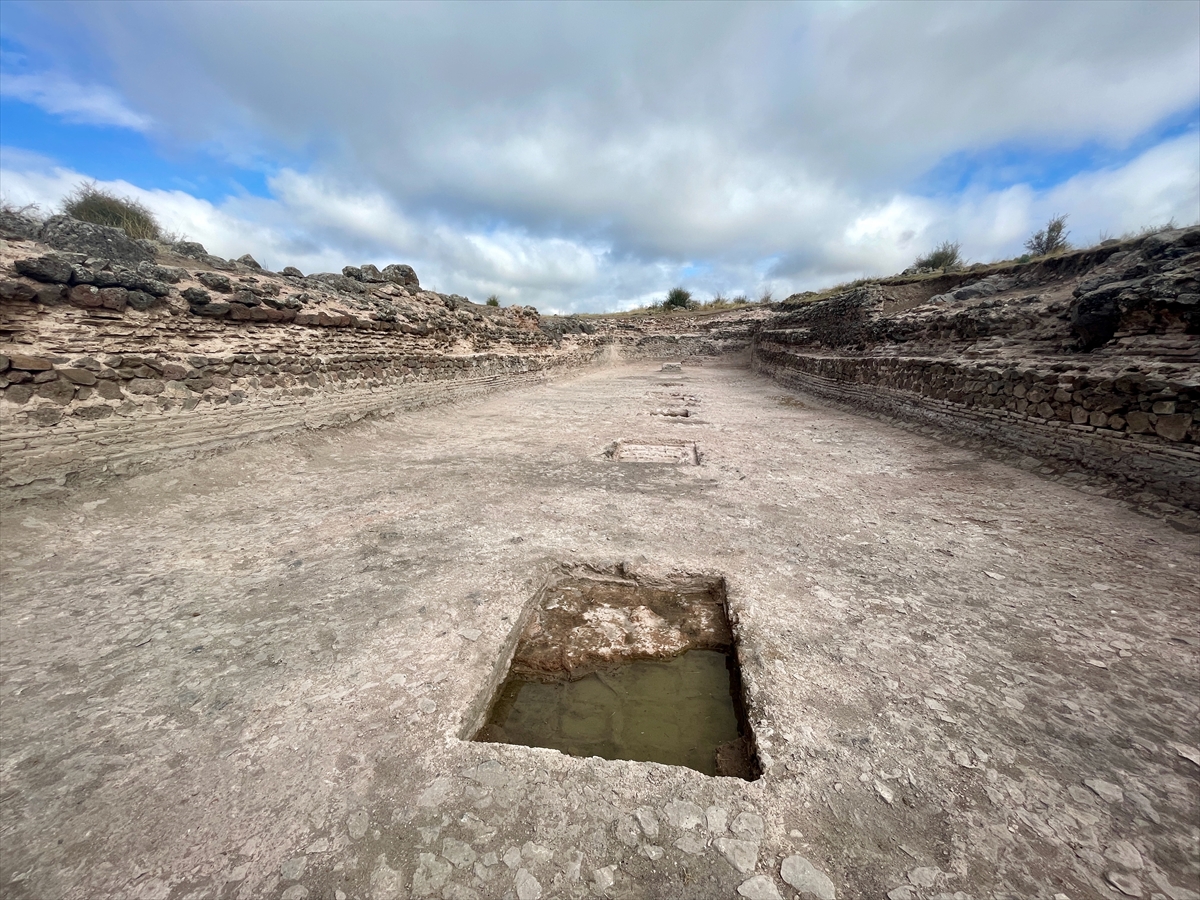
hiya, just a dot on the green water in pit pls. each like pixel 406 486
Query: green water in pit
pixel 675 711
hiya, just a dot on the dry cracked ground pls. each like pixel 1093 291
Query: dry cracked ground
pixel 251 675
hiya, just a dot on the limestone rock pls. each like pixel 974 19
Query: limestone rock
pixel 400 274
pixel 16 291
pixel 459 853
pixel 212 310
pixel 191 249
pixel 52 268
pixel 690 844
pixel 748 826
pixel 15 225
pixel 648 821
pixel 29 363
pixel 527 886
pixel 742 855
pixel 387 883
pixel 293 869
pixel 1105 790
pixel 58 391
pixel 215 281
pixel 807 878
pixel 356 824
pixel 167 274
pixel 65 233
pixel 1125 856
pixel 604 878
pixel 924 876
pixel 716 817
pixel 683 814
pixel 760 887
pixel 1125 883
pixel 1173 427
pixel 431 875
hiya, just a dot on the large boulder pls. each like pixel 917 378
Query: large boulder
pixel 66 233
pixel 342 283
pixel 191 249
pixel 401 275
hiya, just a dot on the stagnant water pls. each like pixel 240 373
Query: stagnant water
pixel 675 711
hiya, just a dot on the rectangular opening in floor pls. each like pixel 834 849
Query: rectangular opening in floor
pixel 628 668
pixel 670 452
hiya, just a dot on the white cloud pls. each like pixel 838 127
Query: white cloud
pixel 583 156
pixel 88 104
pixel 320 225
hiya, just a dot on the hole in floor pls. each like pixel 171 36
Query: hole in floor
pixel 629 669
pixel 670 452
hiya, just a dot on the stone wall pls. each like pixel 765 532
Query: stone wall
pixel 110 364
pixel 117 355
pixel 115 411
pixel 1087 363
pixel 1137 431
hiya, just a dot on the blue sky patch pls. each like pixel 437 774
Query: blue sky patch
pixel 1010 163
pixel 109 153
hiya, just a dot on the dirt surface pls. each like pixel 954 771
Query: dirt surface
pixel 251 676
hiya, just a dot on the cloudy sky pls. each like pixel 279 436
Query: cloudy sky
pixel 589 157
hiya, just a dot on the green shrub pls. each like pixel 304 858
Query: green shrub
pixel 89 203
pixel 493 300
pixel 946 255
pixel 678 298
pixel 1051 239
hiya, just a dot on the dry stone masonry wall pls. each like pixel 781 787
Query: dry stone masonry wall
pixel 111 363
pixel 118 354
pixel 1086 362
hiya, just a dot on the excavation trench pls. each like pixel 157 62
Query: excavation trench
pixel 622 669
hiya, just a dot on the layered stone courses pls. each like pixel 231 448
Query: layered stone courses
pixel 1153 451
pixel 1088 362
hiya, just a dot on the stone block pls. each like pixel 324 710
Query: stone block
pixel 29 363
pixel 18 393
pixel 140 300
pixel 1138 422
pixel 1173 427
pixel 211 310
pixel 77 376
pixel 113 298
pixel 85 296
pixel 17 291
pixel 52 294
pixel 145 386
pixel 51 268
pixel 215 281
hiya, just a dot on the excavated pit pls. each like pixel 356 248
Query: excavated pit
pixel 686 453
pixel 623 669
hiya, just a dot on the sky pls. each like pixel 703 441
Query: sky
pixel 587 157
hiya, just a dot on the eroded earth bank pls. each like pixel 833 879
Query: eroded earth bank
pixel 256 672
